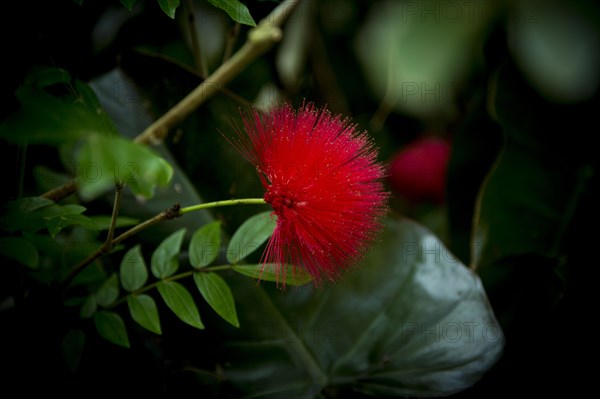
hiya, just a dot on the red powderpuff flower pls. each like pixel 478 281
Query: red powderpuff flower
pixel 323 181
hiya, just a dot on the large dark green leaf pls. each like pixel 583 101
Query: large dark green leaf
pixel 528 199
pixel 236 10
pixel 413 321
pixel 164 259
pixel 250 236
pixel 475 145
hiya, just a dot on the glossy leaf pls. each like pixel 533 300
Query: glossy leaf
pixel 250 236
pixel 19 249
pixel 236 11
pixel 164 259
pixel 109 291
pixel 217 294
pixel 111 327
pixel 413 321
pixel 133 272
pixel 268 272
pixel 102 161
pixel 180 301
pixel 205 245
pixel 72 348
pixel 143 310
pixel 169 6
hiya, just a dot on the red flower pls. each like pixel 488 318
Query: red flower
pixel 418 171
pixel 323 181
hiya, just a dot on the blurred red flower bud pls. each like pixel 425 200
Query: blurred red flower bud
pixel 418 171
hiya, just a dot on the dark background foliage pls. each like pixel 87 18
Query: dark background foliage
pixel 522 173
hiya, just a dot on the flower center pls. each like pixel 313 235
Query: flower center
pixel 278 200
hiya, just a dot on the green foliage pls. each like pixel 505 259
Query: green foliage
pixel 104 161
pixel 205 245
pixel 236 10
pixel 88 308
pixel 47 119
pixel 217 294
pixel 513 85
pixel 143 310
pixel 164 259
pixel 133 272
pixel 108 292
pixel 250 236
pixel 413 322
pixel 180 301
pixel 169 6
pixel 269 272
pixel 111 327
pixel 19 249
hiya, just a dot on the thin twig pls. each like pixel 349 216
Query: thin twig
pixel 115 213
pixel 168 214
pixel 58 193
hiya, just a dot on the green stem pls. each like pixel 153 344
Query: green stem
pixel 169 214
pixel 231 202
